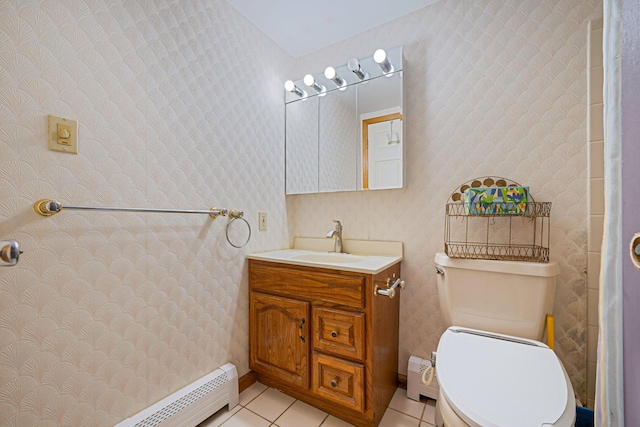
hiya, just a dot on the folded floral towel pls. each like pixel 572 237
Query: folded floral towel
pixel 496 200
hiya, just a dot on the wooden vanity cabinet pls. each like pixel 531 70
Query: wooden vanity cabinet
pixel 323 337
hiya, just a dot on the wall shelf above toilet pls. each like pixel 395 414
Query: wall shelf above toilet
pixel 493 227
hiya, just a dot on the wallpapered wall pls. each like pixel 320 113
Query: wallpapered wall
pixel 493 87
pixel 180 105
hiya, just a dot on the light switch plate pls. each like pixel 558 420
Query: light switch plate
pixel 262 221
pixel 59 140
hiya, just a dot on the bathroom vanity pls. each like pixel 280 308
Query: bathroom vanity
pixel 323 335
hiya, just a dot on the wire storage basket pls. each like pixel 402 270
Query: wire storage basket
pixel 502 231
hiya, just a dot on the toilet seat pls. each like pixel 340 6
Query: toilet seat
pixel 494 380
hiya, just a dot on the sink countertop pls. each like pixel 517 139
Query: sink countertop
pixel 363 256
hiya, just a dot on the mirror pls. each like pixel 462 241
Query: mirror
pixel 380 116
pixel 301 148
pixel 348 138
pixel 337 132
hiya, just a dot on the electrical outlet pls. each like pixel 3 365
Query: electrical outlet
pixel 262 221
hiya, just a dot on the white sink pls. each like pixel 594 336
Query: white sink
pixel 364 256
pixel 329 258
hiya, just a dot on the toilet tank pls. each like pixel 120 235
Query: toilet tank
pixel 507 297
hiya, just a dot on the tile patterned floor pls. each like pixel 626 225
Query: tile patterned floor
pixel 262 406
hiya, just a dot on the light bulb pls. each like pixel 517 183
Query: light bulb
pixel 380 56
pixel 330 73
pixel 354 66
pixel 310 81
pixel 290 86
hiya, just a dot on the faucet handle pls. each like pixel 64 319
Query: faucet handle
pixel 337 223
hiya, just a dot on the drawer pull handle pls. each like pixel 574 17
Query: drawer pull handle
pixel 334 383
pixel 300 331
pixel 334 334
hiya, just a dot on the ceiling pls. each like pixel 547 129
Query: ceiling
pixel 302 26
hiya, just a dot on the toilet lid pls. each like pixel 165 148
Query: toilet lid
pixel 496 380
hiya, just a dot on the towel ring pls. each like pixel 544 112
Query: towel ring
pixel 227 231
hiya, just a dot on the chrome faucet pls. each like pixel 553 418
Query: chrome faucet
pixel 336 234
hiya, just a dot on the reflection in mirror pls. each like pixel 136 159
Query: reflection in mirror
pixel 338 129
pixel 325 117
pixel 301 147
pixel 380 111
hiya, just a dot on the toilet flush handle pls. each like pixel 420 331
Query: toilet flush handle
pixel 390 290
pixel 439 271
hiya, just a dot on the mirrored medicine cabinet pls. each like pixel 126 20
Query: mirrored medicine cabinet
pixel 347 137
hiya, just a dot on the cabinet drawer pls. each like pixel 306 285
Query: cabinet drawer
pixel 339 381
pixel 318 285
pixel 339 332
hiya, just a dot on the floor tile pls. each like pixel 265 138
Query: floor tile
pixel 219 417
pixel 270 404
pixel 268 407
pixel 394 418
pixel 401 403
pixel 301 415
pixel 246 418
pixel 429 414
pixel 332 421
pixel 251 393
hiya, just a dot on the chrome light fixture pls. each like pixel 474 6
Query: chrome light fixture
pixel 290 86
pixel 310 81
pixel 380 57
pixel 354 66
pixel 330 73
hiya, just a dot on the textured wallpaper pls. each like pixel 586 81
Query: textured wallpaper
pixel 492 87
pixel 180 105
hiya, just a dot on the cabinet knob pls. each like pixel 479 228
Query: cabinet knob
pixel 334 334
pixel 334 383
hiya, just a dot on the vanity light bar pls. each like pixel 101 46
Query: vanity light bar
pixel 380 57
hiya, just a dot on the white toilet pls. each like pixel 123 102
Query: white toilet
pixel 491 368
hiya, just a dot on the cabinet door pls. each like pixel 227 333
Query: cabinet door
pixel 279 338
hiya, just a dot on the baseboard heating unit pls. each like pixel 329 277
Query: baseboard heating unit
pixel 192 404
pixel 415 388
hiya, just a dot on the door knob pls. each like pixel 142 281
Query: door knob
pixel 634 250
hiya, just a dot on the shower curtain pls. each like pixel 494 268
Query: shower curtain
pixel 609 399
